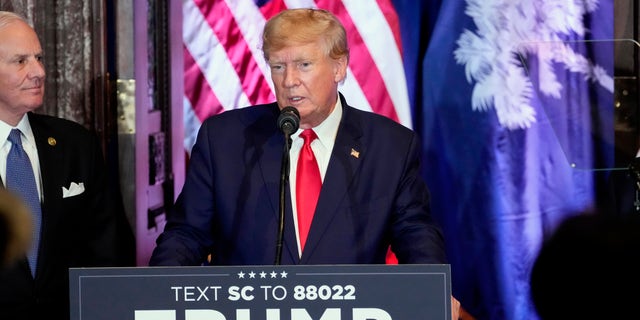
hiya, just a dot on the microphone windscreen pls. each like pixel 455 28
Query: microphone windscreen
pixel 289 120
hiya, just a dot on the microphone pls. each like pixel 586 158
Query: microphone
pixel 289 120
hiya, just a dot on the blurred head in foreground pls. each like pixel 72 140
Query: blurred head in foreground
pixel 15 228
pixel 589 269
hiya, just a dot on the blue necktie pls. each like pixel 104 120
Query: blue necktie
pixel 20 180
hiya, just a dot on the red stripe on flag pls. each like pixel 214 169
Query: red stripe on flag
pixel 366 74
pixel 272 8
pixel 197 89
pixel 221 20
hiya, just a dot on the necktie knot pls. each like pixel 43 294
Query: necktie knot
pixel 308 136
pixel 14 137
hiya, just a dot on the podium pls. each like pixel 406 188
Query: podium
pixel 319 292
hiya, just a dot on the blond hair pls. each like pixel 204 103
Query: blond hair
pixel 303 26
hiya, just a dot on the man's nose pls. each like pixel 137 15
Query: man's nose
pixel 36 69
pixel 291 78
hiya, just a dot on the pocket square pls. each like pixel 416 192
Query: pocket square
pixel 74 190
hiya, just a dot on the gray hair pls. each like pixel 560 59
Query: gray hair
pixel 7 17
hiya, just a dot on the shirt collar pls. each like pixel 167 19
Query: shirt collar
pixel 327 130
pixel 24 127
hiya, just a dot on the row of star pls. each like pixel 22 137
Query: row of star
pixel 262 274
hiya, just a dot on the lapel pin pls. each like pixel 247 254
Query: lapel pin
pixel 52 141
pixel 354 153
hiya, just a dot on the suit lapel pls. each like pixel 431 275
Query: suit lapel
pixel 50 160
pixel 343 167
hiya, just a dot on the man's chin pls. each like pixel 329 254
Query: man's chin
pixel 35 104
pixel 32 106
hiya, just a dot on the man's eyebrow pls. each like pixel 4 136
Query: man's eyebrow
pixel 18 56
pixel 26 55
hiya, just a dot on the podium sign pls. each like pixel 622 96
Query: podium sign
pixel 330 292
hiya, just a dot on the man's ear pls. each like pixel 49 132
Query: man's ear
pixel 340 69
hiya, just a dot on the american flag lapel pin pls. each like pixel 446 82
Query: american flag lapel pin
pixel 354 153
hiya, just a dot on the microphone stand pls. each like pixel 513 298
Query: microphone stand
pixel 288 122
pixel 284 179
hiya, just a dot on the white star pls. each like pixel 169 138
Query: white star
pixel 240 275
pixel 252 275
pixel 273 275
pixel 263 274
pixel 283 274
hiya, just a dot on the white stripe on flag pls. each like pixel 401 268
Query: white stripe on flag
pixel 191 125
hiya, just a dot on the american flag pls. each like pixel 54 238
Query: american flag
pixel 225 69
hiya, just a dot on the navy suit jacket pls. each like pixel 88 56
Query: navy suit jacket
pixel 77 231
pixel 372 196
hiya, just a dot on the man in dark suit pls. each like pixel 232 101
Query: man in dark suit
pixel 372 195
pixel 77 226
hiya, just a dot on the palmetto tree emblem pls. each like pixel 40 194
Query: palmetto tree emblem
pixel 510 29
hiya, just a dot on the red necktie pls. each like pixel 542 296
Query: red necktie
pixel 308 184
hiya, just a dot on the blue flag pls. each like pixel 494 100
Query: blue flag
pixel 514 106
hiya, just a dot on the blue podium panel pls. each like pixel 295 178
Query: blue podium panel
pixel 329 292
